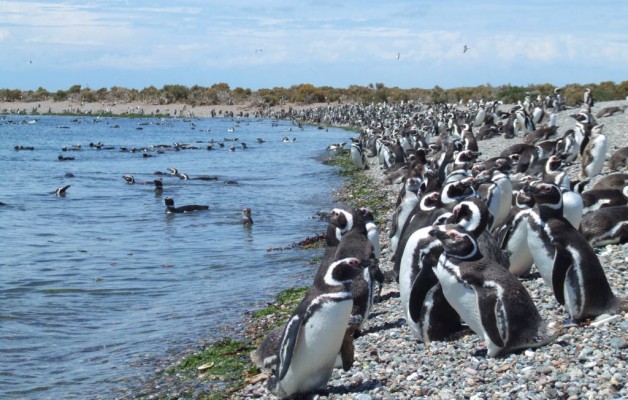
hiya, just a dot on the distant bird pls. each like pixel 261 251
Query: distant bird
pixel 61 191
pixel 398 55
pixel 246 217
pixel 465 48
pixel 258 51
pixel 30 61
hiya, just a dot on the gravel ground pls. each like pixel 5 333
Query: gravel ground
pixel 584 362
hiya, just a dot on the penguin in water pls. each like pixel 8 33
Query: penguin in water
pixel 247 220
pixel 171 209
pixel 491 300
pixel 565 260
pixel 60 192
pixel 313 335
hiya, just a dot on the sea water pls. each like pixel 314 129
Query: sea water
pixel 94 282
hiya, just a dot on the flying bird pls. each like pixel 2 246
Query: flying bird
pixel 258 50
pixel 398 55
pixel 465 48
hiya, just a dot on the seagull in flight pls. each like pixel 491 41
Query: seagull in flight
pixel 398 55
pixel 258 50
pixel 465 48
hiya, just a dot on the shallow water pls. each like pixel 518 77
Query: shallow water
pixel 96 281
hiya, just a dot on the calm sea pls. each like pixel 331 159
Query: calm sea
pixel 94 283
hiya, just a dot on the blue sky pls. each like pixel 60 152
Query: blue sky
pixel 279 43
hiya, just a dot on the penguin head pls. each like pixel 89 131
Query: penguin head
pixel 457 242
pixel 169 201
pixel 546 195
pixel 128 178
pixel 471 214
pixel 343 271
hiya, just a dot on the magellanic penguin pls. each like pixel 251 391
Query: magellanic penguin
pixel 60 191
pixel 171 209
pixel 403 210
pixel 608 225
pixel 358 157
pixel 313 335
pixel 600 198
pixel 594 153
pixel 491 300
pixel 565 260
pixel 619 159
pixel 513 235
pixel 428 314
pixel 247 219
pixel 372 233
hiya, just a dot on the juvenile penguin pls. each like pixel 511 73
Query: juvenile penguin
pixel 171 209
pixel 565 260
pixel 600 198
pixel 608 225
pixel 491 300
pixel 313 335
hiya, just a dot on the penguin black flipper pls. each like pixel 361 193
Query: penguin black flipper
pixel 290 338
pixel 423 283
pixel 488 300
pixel 563 261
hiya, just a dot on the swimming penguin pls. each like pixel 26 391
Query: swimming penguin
pixel 159 185
pixel 170 208
pixel 594 153
pixel 565 260
pixel 246 217
pixel 608 225
pixel 60 192
pixel 129 179
pixel 313 335
pixel 488 298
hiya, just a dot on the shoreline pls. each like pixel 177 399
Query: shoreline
pixel 141 109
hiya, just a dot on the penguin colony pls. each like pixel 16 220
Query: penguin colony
pixel 465 233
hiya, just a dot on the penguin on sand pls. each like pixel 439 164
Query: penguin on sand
pixel 491 300
pixel 313 335
pixel 565 260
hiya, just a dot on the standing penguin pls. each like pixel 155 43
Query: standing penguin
pixel 565 260
pixel 594 152
pixel 313 335
pixel 358 156
pixel 491 300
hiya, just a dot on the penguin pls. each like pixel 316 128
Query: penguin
pixel 612 181
pixel 265 356
pixel 60 192
pixel 565 260
pixel 594 153
pixel 608 225
pixel 313 335
pixel 372 233
pixel 599 198
pixel 428 314
pixel 403 210
pixel 358 157
pixel 513 235
pixel 498 194
pixel 129 179
pixel 171 209
pixel 619 159
pixel 353 241
pixel 159 185
pixel 488 298
pixel 247 220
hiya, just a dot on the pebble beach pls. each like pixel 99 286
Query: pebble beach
pixel 586 361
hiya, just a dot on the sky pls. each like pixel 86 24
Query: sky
pixel 260 44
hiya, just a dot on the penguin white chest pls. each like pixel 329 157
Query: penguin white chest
pixel 318 343
pixel 461 296
pixel 542 251
pixel 520 257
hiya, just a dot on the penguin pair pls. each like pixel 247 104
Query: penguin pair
pixel 565 260
pixel 488 298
